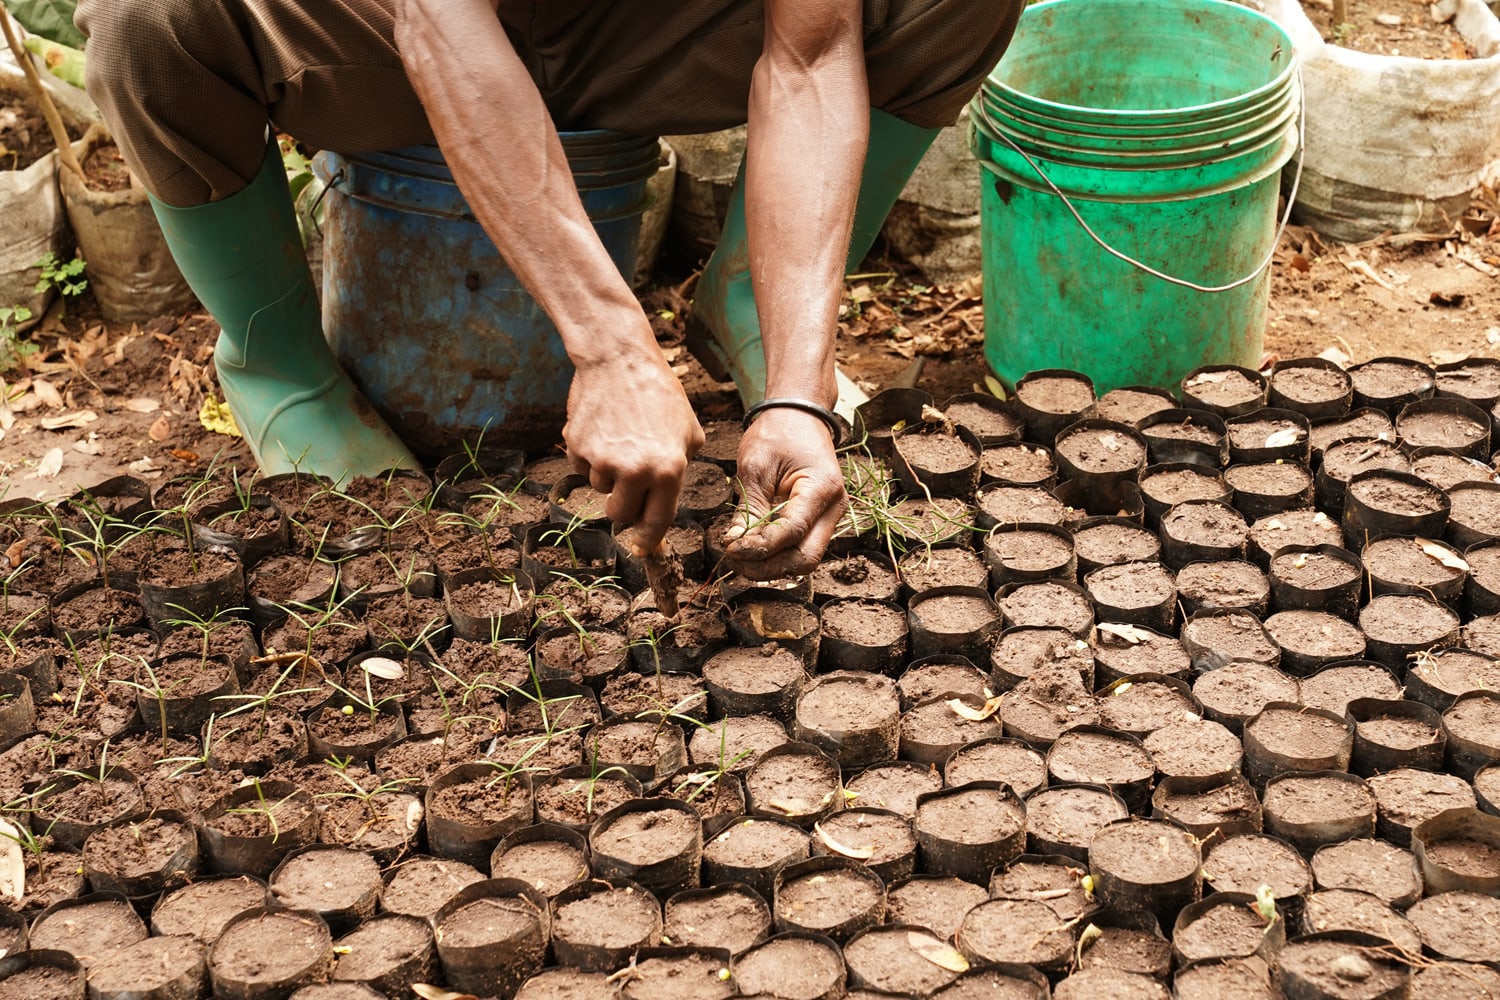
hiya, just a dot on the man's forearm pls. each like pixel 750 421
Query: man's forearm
pixel 808 131
pixel 499 140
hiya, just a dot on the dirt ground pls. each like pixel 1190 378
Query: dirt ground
pixel 98 400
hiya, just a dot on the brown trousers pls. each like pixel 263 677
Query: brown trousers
pixel 188 86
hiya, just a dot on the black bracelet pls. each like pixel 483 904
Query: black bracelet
pixel 806 406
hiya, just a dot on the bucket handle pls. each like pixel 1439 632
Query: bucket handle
pixel 1183 282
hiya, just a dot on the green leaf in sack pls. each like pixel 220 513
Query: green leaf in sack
pixel 52 19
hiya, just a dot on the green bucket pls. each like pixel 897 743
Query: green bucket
pixel 1132 152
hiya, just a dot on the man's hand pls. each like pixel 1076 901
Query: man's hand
pixel 793 496
pixel 631 431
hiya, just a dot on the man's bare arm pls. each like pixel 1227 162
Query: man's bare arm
pixel 808 131
pixel 629 423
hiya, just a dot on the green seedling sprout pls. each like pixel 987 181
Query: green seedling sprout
pixel 483 526
pixel 32 844
pixel 366 797
pixel 369 703
pixel 11 636
pixel 710 778
pixel 264 808
pixel 591 783
pixel 263 703
pixel 99 537
pixel 205 627
pixel 157 693
pixel 313 620
pixel 562 537
pixel 190 763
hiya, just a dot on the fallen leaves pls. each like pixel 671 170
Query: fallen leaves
pixel 838 847
pixel 1130 633
pixel 160 430
pixel 384 668
pixel 78 418
pixel 142 404
pixel 1443 554
pixel 215 417
pixel 962 709
pixel 50 465
pixel 939 953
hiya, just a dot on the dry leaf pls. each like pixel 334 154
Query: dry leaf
pixel 1337 355
pixel 88 446
pixel 161 429
pixel 12 864
pixel 183 455
pixel 1206 378
pixel 1283 438
pixel 857 853
pixel 939 953
pixel 1448 357
pixel 142 404
pixel 1129 633
pixel 438 993
pixel 78 418
pixel 47 393
pixel 991 706
pixel 50 465
pixel 1442 554
pixel 384 668
pixel 414 811
pixel 144 467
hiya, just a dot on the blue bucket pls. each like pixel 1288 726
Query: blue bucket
pixel 423 311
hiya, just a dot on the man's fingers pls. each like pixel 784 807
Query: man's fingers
pixel 797 557
pixel 658 510
pixel 624 503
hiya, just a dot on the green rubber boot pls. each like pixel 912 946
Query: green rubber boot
pixel 296 407
pixel 723 331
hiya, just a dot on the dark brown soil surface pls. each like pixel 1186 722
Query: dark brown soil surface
pixel 885 959
pixel 1193 749
pixel 791 968
pixel 1056 394
pixel 1348 909
pixel 1070 817
pixel 1385 871
pixel 936 453
pixel 856 576
pixel 894 787
pixel 731 918
pixel 1020 505
pixel 937 904
pixel 1128 406
pixel 1458 925
pixel 1323 963
pixel 1223 584
pixel 1229 929
pixel 1101 451
pixel 1310 385
pixel 1205 523
pixel 1223 388
pixel 1237 691
pixel 1017 463
pixel 1110 543
pixel 982 420
pixel 1244 862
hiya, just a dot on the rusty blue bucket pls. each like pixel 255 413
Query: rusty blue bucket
pixel 423 311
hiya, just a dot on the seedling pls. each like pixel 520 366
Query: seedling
pixel 484 525
pixel 313 621
pixel 155 691
pixel 186 764
pixel 67 277
pixel 709 779
pixel 33 845
pixel 366 797
pixel 264 808
pixel 562 537
pixel 205 627
pixel 11 636
pixel 263 703
pixel 369 703
pixel 13 350
pixel 99 535
pixel 591 783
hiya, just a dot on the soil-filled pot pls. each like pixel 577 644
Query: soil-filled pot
pixel 599 923
pixel 1346 458
pixel 387 953
pixel 1115 499
pixel 754 620
pixel 471 807
pixel 649 750
pixel 1342 965
pixel 1421 566
pixel 1016 932
pixel 1472 724
pixel 834 896
pixel 1096 755
pixel 854 717
pixel 178 693
pixel 1384 502
pixel 17 710
pixel 1185 436
pixel 1100 454
pixel 492 936
pixel 1458 850
pixel 486 607
pixel 204 907
pixel 1269 435
pixel 184 581
pixel 1445 422
pixel 1394 734
pixel 1398 626
pixel 751 851
pixel 1210 808
pixel 252 526
pixel 1313 387
pixel 1228 390
pixel 1388 384
pixel 1475 513
pixel 42 974
pixel 1135 593
pixel 89 609
pixel 893 960
pixel 1265 489
pixel 934 461
pixel 1316 578
pixel 938 727
pixel 89 927
pixel 1285 737
pixel 269 953
pixel 548 857
pixel 1050 399
pixel 1313 808
pixel 553 550
pixel 79 804
pixel 879 838
pixel 250 829
pixel 796 782
pixel 764 680
pixel 142 856
pixel 793 964
pixel 1141 864
pixel 1026 551
pixel 730 916
pixel 1202 530
pixel 655 842
pixel 875 420
pixel 862 634
pixel 1235 584
pixel 970 830
pixel 1227 925
pixel 340 885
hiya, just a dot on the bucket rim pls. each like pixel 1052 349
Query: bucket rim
pixel 1183 113
pixel 1147 159
pixel 1273 104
